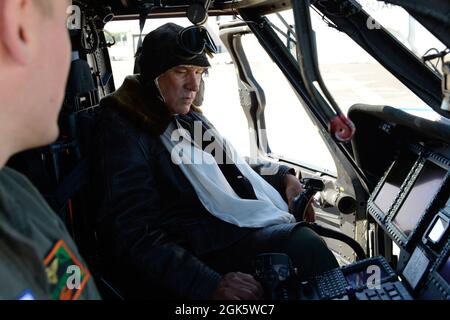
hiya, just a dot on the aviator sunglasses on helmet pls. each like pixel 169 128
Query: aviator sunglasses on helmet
pixel 196 40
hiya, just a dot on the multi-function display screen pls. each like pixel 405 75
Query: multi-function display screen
pixel 437 231
pixel 394 180
pixel 419 198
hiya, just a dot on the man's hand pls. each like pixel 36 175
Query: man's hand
pixel 238 286
pixel 292 188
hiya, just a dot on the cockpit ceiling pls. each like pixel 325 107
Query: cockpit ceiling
pixel 132 8
pixel 433 14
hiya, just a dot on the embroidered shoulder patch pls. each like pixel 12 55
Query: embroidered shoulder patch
pixel 66 275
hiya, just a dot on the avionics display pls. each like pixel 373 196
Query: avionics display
pixel 394 180
pixel 438 229
pixel 419 198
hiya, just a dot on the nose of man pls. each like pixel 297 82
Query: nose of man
pixel 193 82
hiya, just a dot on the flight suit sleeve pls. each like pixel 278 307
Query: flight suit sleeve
pixel 90 291
pixel 56 227
pixel 35 235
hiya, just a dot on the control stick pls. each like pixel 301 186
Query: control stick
pixel 300 202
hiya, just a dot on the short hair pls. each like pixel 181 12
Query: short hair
pixel 44 6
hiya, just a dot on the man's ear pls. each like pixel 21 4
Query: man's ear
pixel 15 28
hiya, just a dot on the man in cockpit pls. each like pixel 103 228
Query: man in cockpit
pixel 172 225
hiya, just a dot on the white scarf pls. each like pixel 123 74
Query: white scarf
pixel 213 189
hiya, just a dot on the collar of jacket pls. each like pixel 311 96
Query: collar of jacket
pixel 142 105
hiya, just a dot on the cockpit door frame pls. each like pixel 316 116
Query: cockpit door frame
pixel 354 225
pixel 251 94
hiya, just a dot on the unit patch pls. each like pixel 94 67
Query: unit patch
pixel 66 275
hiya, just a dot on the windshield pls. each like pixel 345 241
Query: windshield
pixel 351 74
pixel 405 29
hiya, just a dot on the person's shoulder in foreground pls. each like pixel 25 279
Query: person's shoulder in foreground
pixel 38 259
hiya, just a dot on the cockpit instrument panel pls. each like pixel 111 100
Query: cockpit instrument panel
pixel 411 203
pixel 390 186
pixel 411 195
pixel 437 285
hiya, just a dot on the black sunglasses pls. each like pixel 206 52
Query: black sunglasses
pixel 196 40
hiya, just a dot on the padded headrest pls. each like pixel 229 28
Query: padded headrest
pixel 80 78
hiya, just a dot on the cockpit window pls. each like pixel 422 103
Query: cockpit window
pixel 350 73
pixel 405 29
pixel 283 24
pixel 286 118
